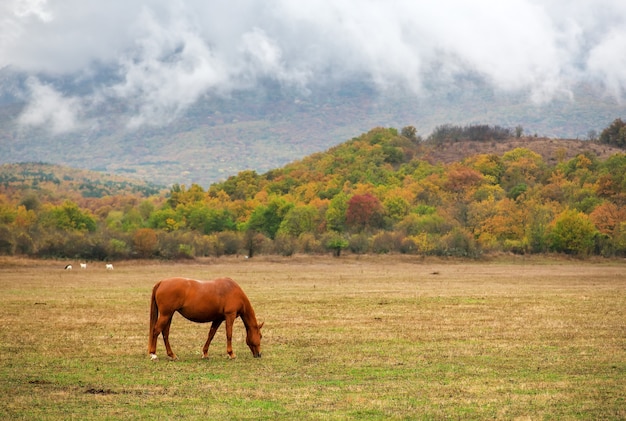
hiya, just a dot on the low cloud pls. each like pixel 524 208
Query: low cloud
pixel 166 55
pixel 48 108
pixel 168 69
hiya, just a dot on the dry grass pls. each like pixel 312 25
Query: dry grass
pixel 369 337
pixel 551 150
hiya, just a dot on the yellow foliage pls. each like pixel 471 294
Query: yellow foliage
pixel 424 242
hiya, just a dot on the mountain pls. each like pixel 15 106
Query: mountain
pixel 270 126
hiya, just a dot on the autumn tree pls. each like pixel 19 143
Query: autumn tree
pixel 364 211
pixel 607 217
pixel 145 242
pixel 521 166
pixel 179 194
pixel 489 165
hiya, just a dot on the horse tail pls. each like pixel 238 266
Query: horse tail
pixel 154 313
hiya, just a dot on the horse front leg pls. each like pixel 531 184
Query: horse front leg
pixel 230 320
pixel 214 326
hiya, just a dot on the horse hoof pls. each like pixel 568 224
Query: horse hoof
pixel 153 357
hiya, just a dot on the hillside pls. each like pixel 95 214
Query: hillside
pixel 382 156
pixel 55 182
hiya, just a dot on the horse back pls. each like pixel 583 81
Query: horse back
pixel 200 301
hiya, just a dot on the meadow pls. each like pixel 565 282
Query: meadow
pixel 369 337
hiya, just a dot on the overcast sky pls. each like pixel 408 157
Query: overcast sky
pixel 167 53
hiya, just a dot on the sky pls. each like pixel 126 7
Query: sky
pixel 161 56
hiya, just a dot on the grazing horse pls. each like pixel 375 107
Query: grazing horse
pixel 109 266
pixel 83 265
pixel 68 267
pixel 202 302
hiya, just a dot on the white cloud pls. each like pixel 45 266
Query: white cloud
pixel 167 54
pixel 25 8
pixel 49 108
pixel 607 62
pixel 168 69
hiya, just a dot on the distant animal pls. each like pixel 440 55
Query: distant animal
pixel 109 266
pixel 83 265
pixel 68 267
pixel 202 302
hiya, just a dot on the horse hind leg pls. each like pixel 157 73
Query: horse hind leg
pixel 166 340
pixel 162 326
pixel 154 335
pixel 214 326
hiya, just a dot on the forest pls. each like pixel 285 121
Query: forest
pixel 376 193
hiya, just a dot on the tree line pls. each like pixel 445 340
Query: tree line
pixel 376 193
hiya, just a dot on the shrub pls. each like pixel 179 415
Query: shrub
pixel 335 242
pixel 385 242
pixel 285 244
pixel 229 242
pixel 459 243
pixel 358 243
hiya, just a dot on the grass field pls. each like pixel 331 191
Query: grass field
pixel 350 338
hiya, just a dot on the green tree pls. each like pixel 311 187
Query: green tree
pixel 219 220
pixel 266 219
pixel 396 208
pixel 131 220
pixel 166 219
pixel 69 217
pixel 410 132
pixel 336 213
pixel 572 233
pixel 615 134
pixel 299 219
pixel 7 245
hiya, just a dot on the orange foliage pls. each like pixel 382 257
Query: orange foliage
pixel 607 217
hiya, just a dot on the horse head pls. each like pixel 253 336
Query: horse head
pixel 253 339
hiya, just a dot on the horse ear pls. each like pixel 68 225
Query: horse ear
pixel 261 325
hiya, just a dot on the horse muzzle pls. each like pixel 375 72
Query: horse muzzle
pixel 257 355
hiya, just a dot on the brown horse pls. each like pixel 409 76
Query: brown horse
pixel 202 302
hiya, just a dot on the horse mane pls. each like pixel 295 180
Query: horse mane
pixel 248 315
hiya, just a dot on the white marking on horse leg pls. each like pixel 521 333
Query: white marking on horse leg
pixel 153 357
